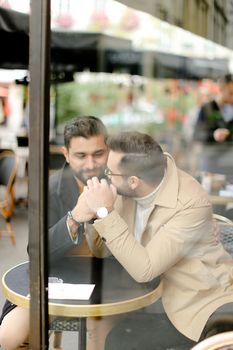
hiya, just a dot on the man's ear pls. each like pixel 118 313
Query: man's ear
pixel 65 153
pixel 133 182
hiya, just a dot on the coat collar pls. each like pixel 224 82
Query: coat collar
pixel 168 192
pixel 127 207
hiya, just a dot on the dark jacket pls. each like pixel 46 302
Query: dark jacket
pixel 63 196
pixel 210 119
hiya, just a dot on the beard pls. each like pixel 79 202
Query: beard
pixel 84 175
pixel 125 191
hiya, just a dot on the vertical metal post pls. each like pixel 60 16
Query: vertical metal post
pixel 82 338
pixel 39 63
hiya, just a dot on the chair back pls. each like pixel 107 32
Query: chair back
pixel 226 236
pixel 8 168
pixel 226 232
pixel 221 341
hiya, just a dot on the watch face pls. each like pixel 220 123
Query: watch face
pixel 102 212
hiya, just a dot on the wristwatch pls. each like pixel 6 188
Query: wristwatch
pixel 102 212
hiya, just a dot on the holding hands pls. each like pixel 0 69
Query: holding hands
pixel 82 212
pixel 100 194
pixel 97 194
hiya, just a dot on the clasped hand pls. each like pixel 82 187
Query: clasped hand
pixel 96 194
pixel 100 194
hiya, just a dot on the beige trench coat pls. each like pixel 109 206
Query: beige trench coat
pixel 178 244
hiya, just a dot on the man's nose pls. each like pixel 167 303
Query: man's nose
pixel 90 162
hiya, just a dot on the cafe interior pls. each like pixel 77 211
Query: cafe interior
pixel 144 67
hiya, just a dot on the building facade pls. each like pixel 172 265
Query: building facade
pixel 211 19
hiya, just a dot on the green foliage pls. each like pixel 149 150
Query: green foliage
pixel 91 98
pixel 127 105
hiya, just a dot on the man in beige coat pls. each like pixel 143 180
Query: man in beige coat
pixel 161 224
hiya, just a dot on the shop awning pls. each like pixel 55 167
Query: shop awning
pixel 70 51
pixel 77 51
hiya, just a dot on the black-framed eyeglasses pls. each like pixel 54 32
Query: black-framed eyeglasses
pixel 108 172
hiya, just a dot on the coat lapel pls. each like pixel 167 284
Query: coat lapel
pixel 68 189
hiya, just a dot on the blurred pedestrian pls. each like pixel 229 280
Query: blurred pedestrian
pixel 215 119
pixel 213 131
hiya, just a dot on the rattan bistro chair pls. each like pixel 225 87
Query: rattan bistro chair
pixel 221 341
pixel 226 232
pixel 8 168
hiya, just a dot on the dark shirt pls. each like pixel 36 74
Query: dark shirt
pixel 210 119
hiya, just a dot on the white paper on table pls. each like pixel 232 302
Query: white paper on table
pixel 226 193
pixel 70 291
pixel 229 187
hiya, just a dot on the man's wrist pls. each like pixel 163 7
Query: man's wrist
pixel 73 226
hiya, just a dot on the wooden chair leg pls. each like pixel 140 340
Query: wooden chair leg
pixel 6 213
pixel 8 231
pixel 11 233
pixel 12 201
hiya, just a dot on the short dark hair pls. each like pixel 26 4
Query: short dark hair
pixel 83 126
pixel 143 155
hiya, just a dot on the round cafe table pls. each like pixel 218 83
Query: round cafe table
pixel 115 291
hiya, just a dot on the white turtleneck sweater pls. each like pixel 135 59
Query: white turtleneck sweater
pixel 143 210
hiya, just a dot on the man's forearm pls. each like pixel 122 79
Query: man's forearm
pixel 59 240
